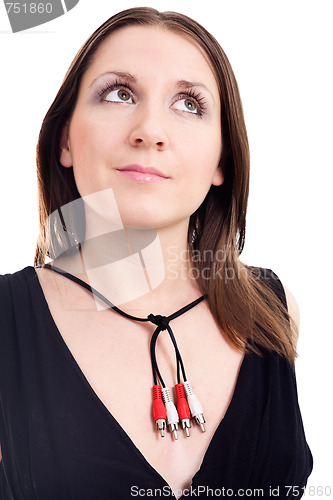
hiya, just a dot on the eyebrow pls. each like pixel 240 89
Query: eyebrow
pixel 131 78
pixel 121 74
pixel 188 85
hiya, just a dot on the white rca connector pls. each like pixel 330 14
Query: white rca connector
pixel 195 406
pixel 172 414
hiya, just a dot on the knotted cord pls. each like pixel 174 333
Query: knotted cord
pixel 161 322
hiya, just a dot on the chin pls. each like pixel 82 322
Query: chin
pixel 137 212
pixel 154 221
pixel 151 211
pixel 139 219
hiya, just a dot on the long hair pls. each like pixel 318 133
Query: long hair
pixel 239 297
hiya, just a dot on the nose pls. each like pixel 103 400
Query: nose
pixel 149 129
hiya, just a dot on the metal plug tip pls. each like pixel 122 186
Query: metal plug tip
pixel 186 423
pixel 160 426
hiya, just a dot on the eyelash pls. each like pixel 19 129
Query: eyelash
pixel 112 86
pixel 197 97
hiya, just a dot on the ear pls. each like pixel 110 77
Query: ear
pixel 65 152
pixel 218 177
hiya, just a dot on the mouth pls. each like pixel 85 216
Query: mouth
pixel 142 174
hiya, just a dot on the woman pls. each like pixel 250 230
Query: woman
pixel 146 138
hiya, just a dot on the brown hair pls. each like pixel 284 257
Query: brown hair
pixel 240 298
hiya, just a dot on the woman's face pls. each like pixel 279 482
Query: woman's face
pixel 147 125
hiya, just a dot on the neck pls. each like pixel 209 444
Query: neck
pixel 168 275
pixel 177 287
pixel 141 270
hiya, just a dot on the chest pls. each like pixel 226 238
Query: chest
pixel 113 355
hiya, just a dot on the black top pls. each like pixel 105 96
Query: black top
pixel 60 442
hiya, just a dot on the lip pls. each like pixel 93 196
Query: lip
pixel 142 174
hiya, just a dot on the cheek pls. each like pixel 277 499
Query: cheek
pixel 90 146
pixel 90 142
pixel 206 168
pixel 206 158
pixel 200 160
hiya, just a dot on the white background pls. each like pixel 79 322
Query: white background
pixel 281 53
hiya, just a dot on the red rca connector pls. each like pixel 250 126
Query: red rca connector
pixel 159 410
pixel 183 408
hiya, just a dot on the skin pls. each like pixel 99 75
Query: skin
pixel 154 124
pixel 156 129
pixel 148 115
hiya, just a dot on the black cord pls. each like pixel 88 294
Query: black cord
pixel 161 322
pixel 156 372
pixel 180 363
pixel 92 290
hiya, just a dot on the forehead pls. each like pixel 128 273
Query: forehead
pixel 154 50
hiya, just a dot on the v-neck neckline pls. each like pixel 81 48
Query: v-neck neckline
pixel 69 355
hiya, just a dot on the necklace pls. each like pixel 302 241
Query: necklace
pixel 165 413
